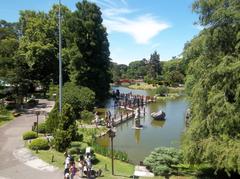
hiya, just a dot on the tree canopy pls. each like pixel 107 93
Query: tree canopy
pixel 90 67
pixel 213 86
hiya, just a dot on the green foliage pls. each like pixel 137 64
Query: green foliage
pixel 87 116
pixel 53 90
pixel 39 144
pixel 163 161
pixel 90 64
pixel 52 121
pixel 213 87
pixel 75 144
pixel 137 69
pixel 66 130
pixel 119 155
pixel 41 128
pixel 118 71
pixel 162 90
pixel 80 98
pixel 29 135
pixel 77 147
pixel 154 67
pixel 62 140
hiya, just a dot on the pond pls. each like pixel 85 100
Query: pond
pixel 139 143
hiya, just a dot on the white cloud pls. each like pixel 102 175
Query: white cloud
pixel 142 29
pixel 117 17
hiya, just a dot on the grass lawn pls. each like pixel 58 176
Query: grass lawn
pixel 5 116
pixel 142 86
pixel 122 170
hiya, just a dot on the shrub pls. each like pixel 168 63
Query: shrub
pixel 52 121
pixel 162 90
pixel 39 144
pixel 41 128
pixel 29 135
pixel 162 161
pixel 87 116
pixel 79 98
pixel 78 147
pixel 74 150
pixel 75 144
pixel 61 140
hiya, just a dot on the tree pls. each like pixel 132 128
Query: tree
pixel 137 69
pixel 173 71
pixel 154 68
pixel 80 98
pixel 162 161
pixel 38 46
pixel 8 48
pixel 213 87
pixel 90 66
pixel 66 130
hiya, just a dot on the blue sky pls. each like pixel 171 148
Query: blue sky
pixel 136 28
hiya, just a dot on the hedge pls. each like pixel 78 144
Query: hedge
pixel 39 144
pixel 29 135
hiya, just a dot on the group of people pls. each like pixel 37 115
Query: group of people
pixel 82 168
pixel 107 121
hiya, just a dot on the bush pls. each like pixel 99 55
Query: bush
pixel 41 128
pixel 87 116
pixel 29 135
pixel 61 140
pixel 162 161
pixel 79 98
pixel 39 144
pixel 74 150
pixel 81 146
pixel 75 144
pixel 162 90
pixel 52 121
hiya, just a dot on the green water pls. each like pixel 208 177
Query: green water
pixel 139 143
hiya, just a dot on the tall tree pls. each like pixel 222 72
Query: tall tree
pixel 38 46
pixel 90 64
pixel 8 47
pixel 154 68
pixel 213 83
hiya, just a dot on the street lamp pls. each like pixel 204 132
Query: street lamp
pixel 112 134
pixel 37 113
pixel 60 57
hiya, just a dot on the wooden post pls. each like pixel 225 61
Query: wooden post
pixel 144 111
pixel 127 115
pixel 121 116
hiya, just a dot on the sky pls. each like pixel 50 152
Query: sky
pixel 136 28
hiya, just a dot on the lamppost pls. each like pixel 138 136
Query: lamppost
pixel 37 113
pixel 60 57
pixel 112 134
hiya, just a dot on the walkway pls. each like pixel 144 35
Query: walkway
pixel 142 171
pixel 15 161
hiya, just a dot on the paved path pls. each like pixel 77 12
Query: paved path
pixel 142 171
pixel 15 161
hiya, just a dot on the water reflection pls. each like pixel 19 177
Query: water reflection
pixel 137 135
pixel 158 123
